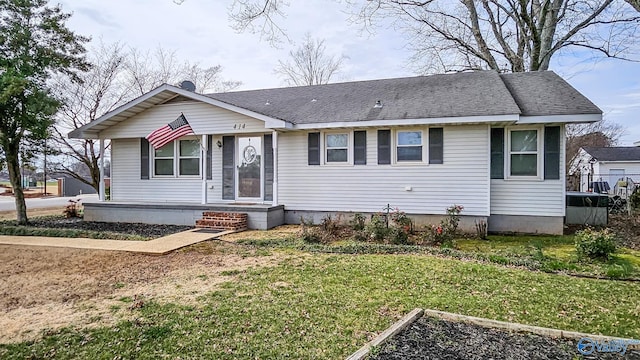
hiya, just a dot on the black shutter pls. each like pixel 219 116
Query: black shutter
pixel 384 147
pixel 228 168
pixel 208 157
pixel 436 145
pixel 497 153
pixel 268 167
pixel 552 152
pixel 144 159
pixel 360 147
pixel 314 148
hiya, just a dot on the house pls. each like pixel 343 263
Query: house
pixel 601 168
pixel 493 143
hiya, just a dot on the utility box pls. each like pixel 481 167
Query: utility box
pixel 586 209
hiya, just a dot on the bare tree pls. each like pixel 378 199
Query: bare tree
pixel 259 17
pixel 603 133
pixel 102 89
pixel 117 76
pixel 503 35
pixel 150 69
pixel 309 64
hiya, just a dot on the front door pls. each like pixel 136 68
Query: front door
pixel 249 168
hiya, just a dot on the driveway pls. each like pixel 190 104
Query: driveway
pixel 7 203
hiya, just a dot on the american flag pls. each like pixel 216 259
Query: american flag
pixel 173 130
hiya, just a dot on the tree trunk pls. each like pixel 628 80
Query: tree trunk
pixel 13 165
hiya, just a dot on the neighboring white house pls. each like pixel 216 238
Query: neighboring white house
pixel 600 167
pixel 491 142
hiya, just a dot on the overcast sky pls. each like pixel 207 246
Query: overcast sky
pixel 199 31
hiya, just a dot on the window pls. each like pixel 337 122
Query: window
pixel 187 153
pixel 189 157
pixel 409 146
pixel 523 152
pixel 337 146
pixel 163 160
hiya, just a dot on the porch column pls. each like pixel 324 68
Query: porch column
pixel 275 168
pixel 203 160
pixel 102 189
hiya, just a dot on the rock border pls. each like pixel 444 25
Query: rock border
pixel 417 313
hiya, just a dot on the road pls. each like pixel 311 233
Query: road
pixel 7 203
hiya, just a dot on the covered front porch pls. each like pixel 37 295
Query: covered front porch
pixel 259 216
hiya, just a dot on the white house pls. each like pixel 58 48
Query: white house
pixel 491 142
pixel 606 165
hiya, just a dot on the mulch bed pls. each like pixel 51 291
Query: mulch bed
pixel 431 338
pixel 147 230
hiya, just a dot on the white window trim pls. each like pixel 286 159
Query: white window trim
pixel 324 148
pixel 539 154
pixel 394 145
pixel 176 161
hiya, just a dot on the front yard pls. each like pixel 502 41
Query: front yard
pixel 282 299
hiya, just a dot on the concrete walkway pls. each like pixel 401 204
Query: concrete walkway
pixel 159 246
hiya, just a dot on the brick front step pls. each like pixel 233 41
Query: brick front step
pixel 222 221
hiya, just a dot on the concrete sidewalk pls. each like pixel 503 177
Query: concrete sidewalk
pixel 159 246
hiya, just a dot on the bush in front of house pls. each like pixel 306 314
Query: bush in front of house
pixel 444 233
pixel 595 244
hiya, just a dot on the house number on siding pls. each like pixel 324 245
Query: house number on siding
pixel 238 126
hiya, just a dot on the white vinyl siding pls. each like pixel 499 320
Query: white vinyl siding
pixel 203 118
pixel 126 184
pixel 536 197
pixel 417 189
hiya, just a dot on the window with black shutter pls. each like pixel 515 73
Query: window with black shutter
pixel 313 154
pixel 497 153
pixel 359 147
pixel 384 147
pixel 436 145
pixel 552 152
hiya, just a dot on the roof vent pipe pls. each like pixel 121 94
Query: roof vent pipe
pixel 188 85
pixel 378 105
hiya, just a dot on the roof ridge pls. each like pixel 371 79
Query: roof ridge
pixel 352 82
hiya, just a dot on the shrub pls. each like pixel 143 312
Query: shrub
pixel 635 199
pixel 330 226
pixel 73 209
pixel 450 223
pixel 377 228
pixel 481 230
pixel 358 222
pixel 594 244
pixel 444 233
pixel 308 231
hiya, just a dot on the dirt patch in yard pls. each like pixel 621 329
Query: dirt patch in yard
pixel 11 214
pixel 49 288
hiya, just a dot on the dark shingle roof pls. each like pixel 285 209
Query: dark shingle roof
pixel 540 93
pixel 618 153
pixel 480 93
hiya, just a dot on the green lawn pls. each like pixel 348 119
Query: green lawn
pixel 326 306
pixel 553 253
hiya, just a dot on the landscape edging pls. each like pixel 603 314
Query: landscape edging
pixel 398 326
pixel 417 313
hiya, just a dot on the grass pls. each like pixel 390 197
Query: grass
pixel 536 252
pixel 326 306
pixel 66 233
pixel 554 253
